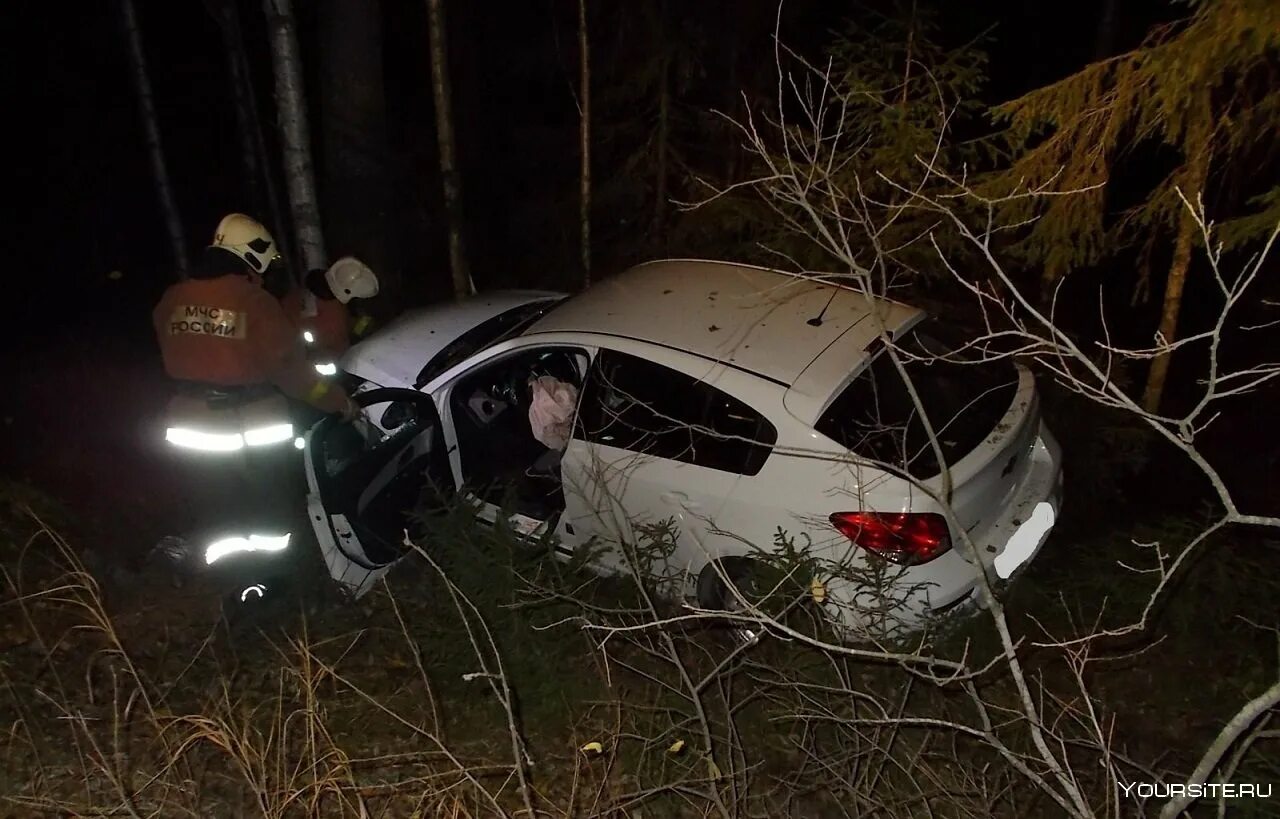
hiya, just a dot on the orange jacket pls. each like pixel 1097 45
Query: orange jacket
pixel 228 331
pixel 326 319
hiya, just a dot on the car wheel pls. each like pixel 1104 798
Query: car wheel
pixel 714 593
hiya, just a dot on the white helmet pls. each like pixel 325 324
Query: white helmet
pixel 349 278
pixel 246 238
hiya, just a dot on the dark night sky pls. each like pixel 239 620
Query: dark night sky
pixel 513 68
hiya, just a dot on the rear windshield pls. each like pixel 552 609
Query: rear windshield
pixel 874 417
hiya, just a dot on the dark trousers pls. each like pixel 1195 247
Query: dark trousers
pixel 253 491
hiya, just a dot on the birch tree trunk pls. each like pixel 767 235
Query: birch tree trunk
pixel 442 94
pixel 584 138
pixel 246 98
pixel 151 131
pixel 291 110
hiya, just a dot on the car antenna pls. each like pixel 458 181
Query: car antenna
pixel 816 321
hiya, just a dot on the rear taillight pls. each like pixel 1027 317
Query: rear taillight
pixel 906 538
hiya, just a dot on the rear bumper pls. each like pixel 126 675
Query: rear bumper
pixel 1011 541
pixel 913 598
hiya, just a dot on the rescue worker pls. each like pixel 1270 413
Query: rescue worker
pixel 235 356
pixel 320 310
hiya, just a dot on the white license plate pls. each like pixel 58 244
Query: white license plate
pixel 1025 540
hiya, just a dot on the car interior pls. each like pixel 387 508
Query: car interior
pixel 502 462
pixel 384 483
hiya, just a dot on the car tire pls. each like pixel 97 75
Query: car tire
pixel 715 594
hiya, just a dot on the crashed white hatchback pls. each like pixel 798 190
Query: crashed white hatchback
pixel 736 401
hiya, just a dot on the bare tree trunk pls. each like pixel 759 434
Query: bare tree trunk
pixel 229 20
pixel 151 130
pixel 1169 314
pixel 1197 173
pixel 356 190
pixel 911 44
pixel 732 151
pixel 291 109
pixel 247 107
pixel 664 117
pixel 441 92
pixel 584 139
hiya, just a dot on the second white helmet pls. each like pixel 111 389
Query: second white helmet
pixel 349 278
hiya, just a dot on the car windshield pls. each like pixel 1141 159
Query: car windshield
pixel 498 328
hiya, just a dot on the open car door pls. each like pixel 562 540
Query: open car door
pixel 366 480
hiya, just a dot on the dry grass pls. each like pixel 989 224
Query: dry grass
pixel 465 688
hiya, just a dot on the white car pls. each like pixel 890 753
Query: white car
pixel 733 400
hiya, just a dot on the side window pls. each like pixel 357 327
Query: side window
pixel 640 406
pixel 506 379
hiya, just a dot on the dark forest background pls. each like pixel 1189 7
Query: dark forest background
pixel 514 73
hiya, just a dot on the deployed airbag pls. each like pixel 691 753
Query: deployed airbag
pixel 551 411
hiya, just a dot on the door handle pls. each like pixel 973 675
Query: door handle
pixel 679 499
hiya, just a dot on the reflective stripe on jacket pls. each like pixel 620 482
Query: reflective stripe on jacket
pixel 211 426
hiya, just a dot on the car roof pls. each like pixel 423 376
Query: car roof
pixel 394 355
pixel 765 321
